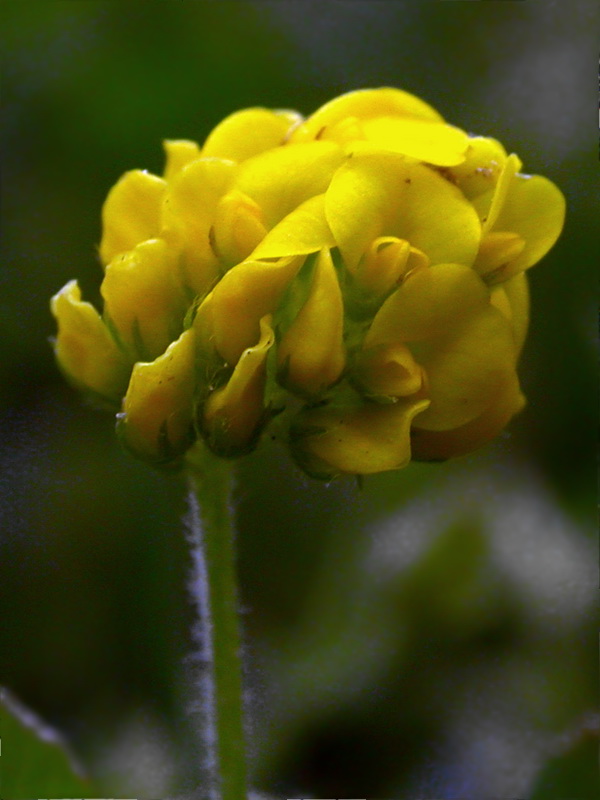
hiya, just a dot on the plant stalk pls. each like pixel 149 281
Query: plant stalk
pixel 212 537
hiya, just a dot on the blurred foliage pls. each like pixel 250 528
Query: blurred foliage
pixel 34 762
pixel 573 773
pixel 430 635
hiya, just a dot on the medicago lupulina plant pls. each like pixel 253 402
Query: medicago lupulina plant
pixel 353 282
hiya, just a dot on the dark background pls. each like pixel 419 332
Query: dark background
pixel 431 635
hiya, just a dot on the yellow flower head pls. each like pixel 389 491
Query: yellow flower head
pixel 355 279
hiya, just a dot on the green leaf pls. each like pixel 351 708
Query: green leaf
pixel 34 762
pixel 572 775
pixel 451 591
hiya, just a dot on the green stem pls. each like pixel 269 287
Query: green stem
pixel 210 485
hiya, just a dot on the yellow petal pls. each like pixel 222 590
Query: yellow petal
pixel 247 133
pixel 143 298
pixel 430 445
pixel 233 415
pixel 382 194
pixel 238 227
pixel 426 140
pixel 385 263
pixel 131 213
pixel 428 303
pixel 311 352
pixel 84 348
pixel 364 104
pixel 188 214
pixel 497 256
pixel 466 368
pixel 279 180
pixel 534 208
pixel 357 440
pixel 304 230
pixel 293 117
pixel 387 371
pixel 228 319
pixel 180 153
pixel 344 132
pixel 516 307
pixel 357 203
pixel 479 172
pixel 490 204
pixel 156 422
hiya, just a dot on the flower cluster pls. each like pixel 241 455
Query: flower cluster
pixel 354 279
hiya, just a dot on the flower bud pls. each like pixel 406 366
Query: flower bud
pixel 388 372
pixel 156 420
pixel 131 213
pixel 386 262
pixel 311 355
pixel 188 215
pixel 143 298
pixel 85 349
pixel 229 318
pixel 179 153
pixel 358 439
pixel 237 229
pixel 248 133
pixel 233 415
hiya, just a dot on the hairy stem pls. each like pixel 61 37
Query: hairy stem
pixel 212 538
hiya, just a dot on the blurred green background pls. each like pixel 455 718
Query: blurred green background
pixel 431 635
